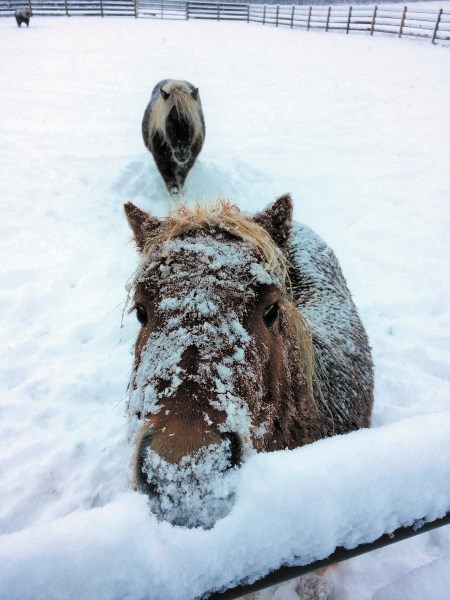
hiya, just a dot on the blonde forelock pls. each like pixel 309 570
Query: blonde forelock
pixel 180 96
pixel 223 215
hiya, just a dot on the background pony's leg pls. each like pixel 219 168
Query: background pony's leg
pixel 168 172
pixel 314 586
pixel 174 188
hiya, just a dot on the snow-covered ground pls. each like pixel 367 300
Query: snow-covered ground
pixel 357 129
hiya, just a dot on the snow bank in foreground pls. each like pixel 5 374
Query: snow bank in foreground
pixel 341 491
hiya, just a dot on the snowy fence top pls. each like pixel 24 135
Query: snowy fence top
pixel 341 491
pixel 384 18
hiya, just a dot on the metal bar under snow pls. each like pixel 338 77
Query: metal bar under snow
pixel 339 555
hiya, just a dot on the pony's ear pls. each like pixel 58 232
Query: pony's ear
pixel 164 94
pixel 194 94
pixel 277 220
pixel 141 223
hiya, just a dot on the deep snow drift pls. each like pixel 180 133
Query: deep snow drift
pixel 356 128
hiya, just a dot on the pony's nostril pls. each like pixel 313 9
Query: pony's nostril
pixel 235 448
pixel 141 455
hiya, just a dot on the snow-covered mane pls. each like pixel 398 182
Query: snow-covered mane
pixel 223 215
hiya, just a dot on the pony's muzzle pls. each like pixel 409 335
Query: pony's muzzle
pixel 148 442
pixel 181 155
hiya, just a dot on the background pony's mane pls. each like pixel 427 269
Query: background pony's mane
pixel 186 107
pixel 226 216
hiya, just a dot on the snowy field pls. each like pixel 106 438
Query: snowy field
pixel 357 129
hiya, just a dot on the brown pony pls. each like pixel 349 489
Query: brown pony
pixel 249 342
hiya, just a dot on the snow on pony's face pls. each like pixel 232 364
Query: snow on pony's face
pixel 209 362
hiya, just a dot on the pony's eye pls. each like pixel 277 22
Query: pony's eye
pixel 141 314
pixel 271 315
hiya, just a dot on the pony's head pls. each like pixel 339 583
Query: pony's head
pixel 176 117
pixel 223 359
pixel 25 12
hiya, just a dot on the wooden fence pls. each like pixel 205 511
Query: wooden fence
pixel 392 19
pixel 98 8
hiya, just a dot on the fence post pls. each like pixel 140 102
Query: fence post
pixel 187 10
pixel 328 18
pixel 309 18
pixel 218 11
pixel 135 9
pixel 436 27
pixel 349 17
pixel 278 12
pixel 248 13
pixel 292 16
pixel 402 21
pixel 66 7
pixel 101 8
pixel 375 8
pixel 264 15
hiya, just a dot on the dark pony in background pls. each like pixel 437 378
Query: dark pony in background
pixel 249 342
pixel 23 16
pixel 173 129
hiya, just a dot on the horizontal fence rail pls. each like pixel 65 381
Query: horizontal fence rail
pixel 398 20
pixel 339 555
pixel 388 19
